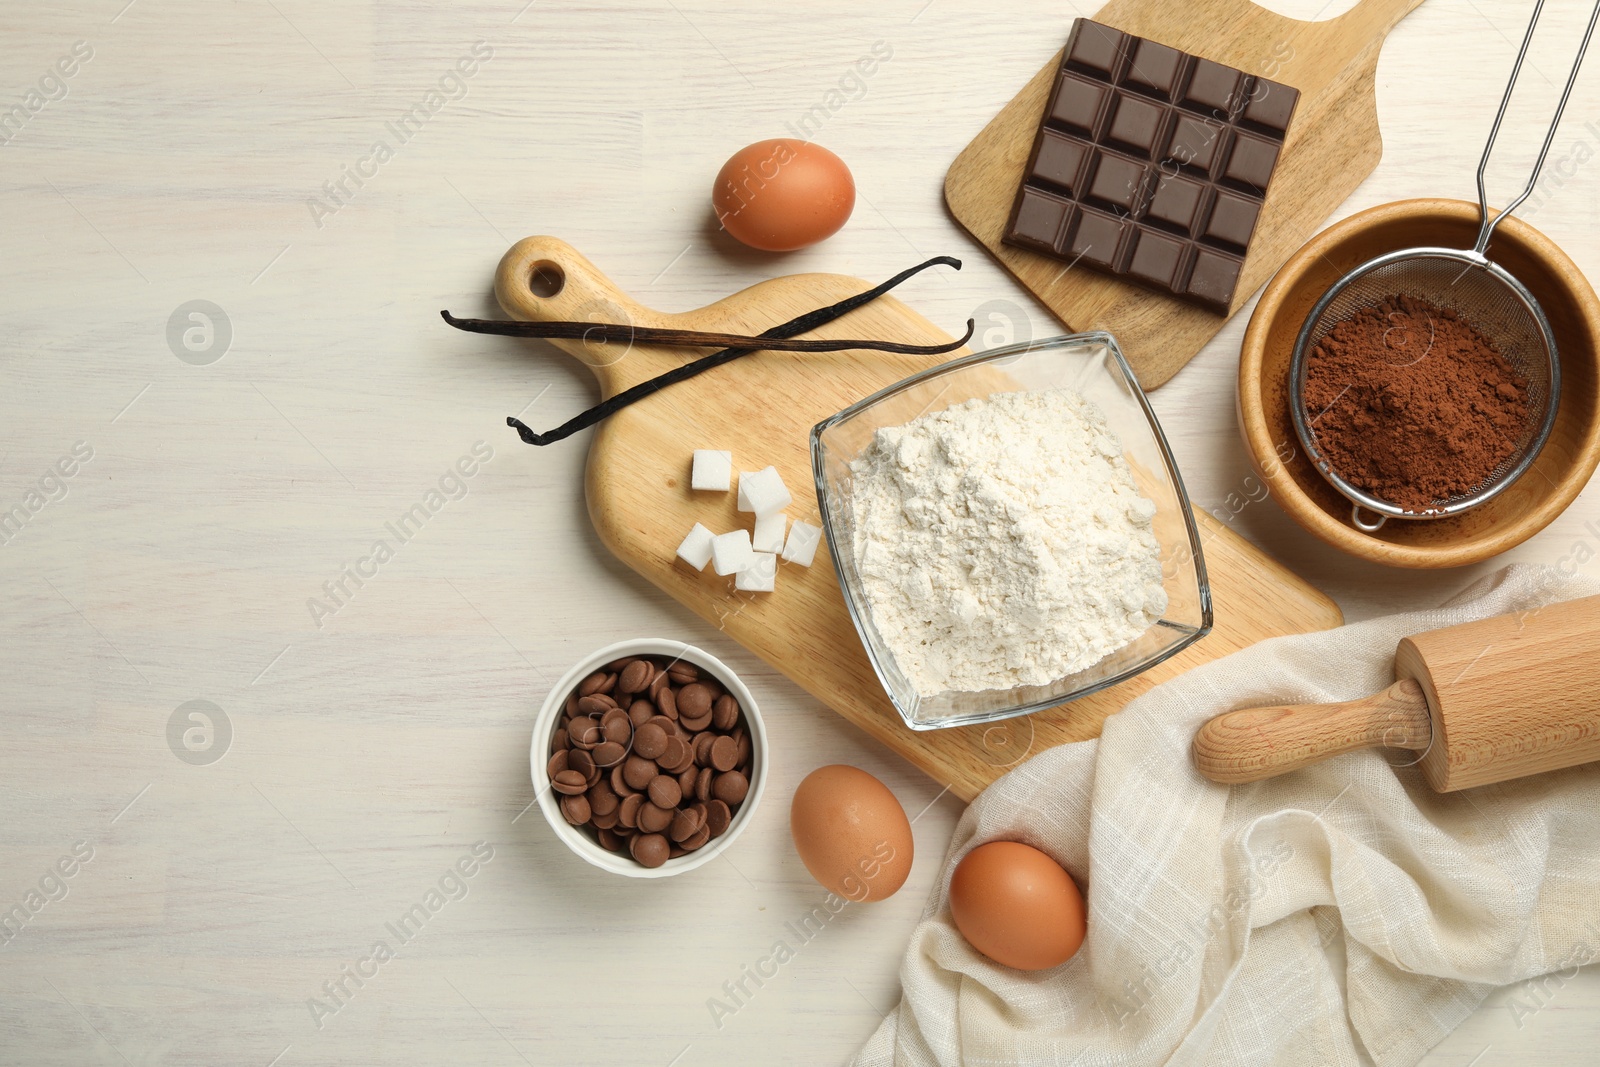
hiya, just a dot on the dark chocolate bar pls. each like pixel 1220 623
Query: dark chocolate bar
pixel 1151 164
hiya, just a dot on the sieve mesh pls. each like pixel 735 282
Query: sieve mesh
pixel 1485 296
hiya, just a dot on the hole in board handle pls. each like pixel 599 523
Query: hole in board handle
pixel 546 279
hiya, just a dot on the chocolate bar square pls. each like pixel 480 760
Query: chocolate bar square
pixel 1118 183
pixel 1058 160
pixel 1159 259
pixel 1151 164
pixel 1155 67
pixel 1176 202
pixel 1136 124
pixel 1252 161
pixel 1214 88
pixel 1195 143
pixel 1096 240
pixel 1233 219
pixel 1077 105
pixel 1038 220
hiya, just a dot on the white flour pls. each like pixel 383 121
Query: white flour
pixel 1003 542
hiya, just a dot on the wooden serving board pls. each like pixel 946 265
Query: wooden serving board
pixel 1333 143
pixel 762 407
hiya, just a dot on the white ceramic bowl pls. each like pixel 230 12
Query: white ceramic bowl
pixel 544 728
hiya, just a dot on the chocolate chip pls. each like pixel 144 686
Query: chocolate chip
pixel 677 755
pixel 650 850
pixel 730 788
pixel 634 678
pixel 575 809
pixel 569 783
pixel 664 792
pixel 628 810
pixel 685 823
pixel 654 818
pixel 650 741
pixel 586 733
pixel 602 800
pixel 617 726
pixel 694 700
pixel 637 771
pixel 653 756
pixel 718 816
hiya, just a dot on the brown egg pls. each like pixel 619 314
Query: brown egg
pixel 1017 906
pixel 851 833
pixel 783 194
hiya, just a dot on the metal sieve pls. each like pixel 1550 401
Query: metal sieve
pixel 1482 293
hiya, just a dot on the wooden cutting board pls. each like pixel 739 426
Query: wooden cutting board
pixel 1333 143
pixel 762 407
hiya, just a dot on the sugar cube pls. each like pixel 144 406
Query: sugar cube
pixel 763 492
pixel 696 548
pixel 730 552
pixel 769 533
pixel 760 575
pixel 802 544
pixel 713 470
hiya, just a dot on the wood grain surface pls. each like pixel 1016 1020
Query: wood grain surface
pixel 1332 144
pixel 762 407
pixel 1251 744
pixel 1482 702
pixel 1545 657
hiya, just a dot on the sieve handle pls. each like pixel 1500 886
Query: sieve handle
pixel 1486 224
pixel 1364 525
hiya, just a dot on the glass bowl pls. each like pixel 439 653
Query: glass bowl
pixel 1091 365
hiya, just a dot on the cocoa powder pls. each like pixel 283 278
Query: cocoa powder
pixel 1411 404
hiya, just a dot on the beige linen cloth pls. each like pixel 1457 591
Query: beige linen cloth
pixel 1338 910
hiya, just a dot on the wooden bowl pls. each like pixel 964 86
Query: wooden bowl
pixel 1524 508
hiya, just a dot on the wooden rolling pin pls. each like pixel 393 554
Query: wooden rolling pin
pixel 1483 702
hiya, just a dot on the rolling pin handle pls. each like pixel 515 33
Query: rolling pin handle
pixel 1251 744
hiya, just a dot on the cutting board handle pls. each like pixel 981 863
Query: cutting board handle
pixel 543 279
pixel 1371 20
pixel 1255 743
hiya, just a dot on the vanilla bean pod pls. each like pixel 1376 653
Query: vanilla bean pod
pixel 798 325
pixel 626 333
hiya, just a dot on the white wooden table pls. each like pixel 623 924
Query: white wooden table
pixel 227 482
